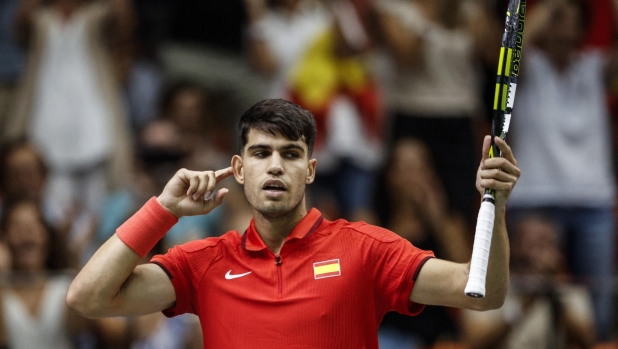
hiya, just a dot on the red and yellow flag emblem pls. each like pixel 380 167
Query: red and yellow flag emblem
pixel 326 269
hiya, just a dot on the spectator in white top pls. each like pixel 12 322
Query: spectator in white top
pixel 69 104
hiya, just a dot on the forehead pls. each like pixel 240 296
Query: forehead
pixel 274 141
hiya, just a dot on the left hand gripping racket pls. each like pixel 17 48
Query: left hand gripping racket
pixel 506 84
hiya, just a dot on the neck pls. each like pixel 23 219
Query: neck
pixel 561 62
pixel 274 230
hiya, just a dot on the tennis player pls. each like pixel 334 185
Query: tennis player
pixel 293 279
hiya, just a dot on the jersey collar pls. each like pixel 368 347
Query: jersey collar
pixel 252 241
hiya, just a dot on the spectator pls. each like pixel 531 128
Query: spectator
pixel 23 176
pixel 33 309
pixel 313 54
pixel 433 91
pixel 69 104
pixel 410 201
pixel 541 310
pixel 561 132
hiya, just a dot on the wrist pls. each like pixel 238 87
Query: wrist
pixel 167 206
pixel 146 227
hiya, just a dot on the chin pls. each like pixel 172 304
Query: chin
pixel 274 211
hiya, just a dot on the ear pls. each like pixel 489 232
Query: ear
pixel 238 168
pixel 311 171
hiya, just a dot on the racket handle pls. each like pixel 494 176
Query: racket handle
pixel 480 251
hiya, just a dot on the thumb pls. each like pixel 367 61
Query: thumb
pixel 486 146
pixel 216 199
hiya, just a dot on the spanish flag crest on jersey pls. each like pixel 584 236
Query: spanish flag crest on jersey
pixel 326 269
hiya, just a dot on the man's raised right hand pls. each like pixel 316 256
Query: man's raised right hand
pixel 188 193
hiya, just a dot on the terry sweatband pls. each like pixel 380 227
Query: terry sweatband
pixel 146 227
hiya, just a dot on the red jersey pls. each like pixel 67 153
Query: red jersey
pixel 329 287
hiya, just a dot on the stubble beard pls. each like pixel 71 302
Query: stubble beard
pixel 275 209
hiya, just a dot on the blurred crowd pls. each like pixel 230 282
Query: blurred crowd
pixel 101 101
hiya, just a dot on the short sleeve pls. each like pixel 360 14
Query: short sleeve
pixel 185 265
pixel 174 264
pixel 396 264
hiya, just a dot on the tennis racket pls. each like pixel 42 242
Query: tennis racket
pixel 506 85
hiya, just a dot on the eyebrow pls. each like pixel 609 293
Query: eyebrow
pixel 288 146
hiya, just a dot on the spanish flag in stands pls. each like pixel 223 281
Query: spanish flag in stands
pixel 322 73
pixel 326 269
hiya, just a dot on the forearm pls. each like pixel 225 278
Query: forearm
pixel 497 282
pixel 536 21
pixel 259 54
pixel 580 331
pixel 99 283
pixel 405 46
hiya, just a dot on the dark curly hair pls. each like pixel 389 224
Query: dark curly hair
pixel 277 117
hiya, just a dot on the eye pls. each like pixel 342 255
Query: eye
pixel 292 155
pixel 261 154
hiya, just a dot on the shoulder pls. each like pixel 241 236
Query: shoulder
pixel 195 256
pixel 362 230
pixel 211 243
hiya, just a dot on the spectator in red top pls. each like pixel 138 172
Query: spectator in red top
pixel 293 279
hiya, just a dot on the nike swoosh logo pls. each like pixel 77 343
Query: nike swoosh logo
pixel 229 276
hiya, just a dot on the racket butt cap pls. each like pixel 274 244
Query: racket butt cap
pixel 475 295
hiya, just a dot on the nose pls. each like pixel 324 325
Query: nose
pixel 275 167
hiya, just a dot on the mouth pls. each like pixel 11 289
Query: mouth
pixel 274 188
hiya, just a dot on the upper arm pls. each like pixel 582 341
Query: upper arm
pixel 147 290
pixel 405 45
pixel 441 282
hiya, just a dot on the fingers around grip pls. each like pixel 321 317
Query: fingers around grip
pixel 497 185
pixel 507 152
pixel 502 164
pixel 498 175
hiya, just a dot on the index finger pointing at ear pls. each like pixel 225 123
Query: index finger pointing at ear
pixel 507 153
pixel 223 174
